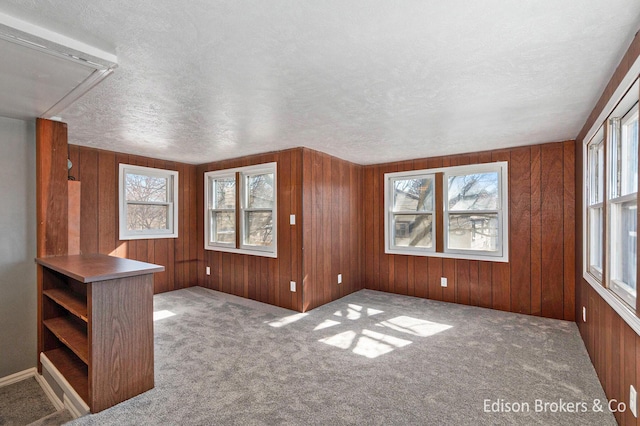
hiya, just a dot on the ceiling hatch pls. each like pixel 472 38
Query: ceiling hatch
pixel 43 72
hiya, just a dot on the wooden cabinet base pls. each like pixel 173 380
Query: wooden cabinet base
pixel 96 327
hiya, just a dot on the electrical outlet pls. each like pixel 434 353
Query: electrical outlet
pixel 292 219
pixel 292 285
pixel 339 278
pixel 208 271
pixel 443 281
pixel 584 314
pixel 633 400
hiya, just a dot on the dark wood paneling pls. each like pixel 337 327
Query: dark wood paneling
pixel 261 278
pixel 613 346
pixel 51 184
pixel 98 172
pixel 331 225
pixel 540 191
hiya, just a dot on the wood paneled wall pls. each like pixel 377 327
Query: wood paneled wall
pixel 255 277
pixel 98 170
pixel 540 276
pixel 613 346
pixel 324 193
pixel 332 228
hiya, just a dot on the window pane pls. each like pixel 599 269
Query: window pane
pixel 413 194
pixel 146 188
pixel 223 227
pixel 624 250
pixel 260 191
pixel 259 226
pixel 595 238
pixel 629 157
pixel 477 191
pixel 413 230
pixel 147 216
pixel 473 232
pixel 596 172
pixel 225 193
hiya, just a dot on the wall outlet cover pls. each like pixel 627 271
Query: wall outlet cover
pixel 208 270
pixel 339 278
pixel 292 286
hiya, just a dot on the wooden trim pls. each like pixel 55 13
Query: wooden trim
pixel 439 212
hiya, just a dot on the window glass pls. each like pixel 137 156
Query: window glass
pixel 478 191
pixel 473 231
pixel 147 201
pixel 413 194
pixel 260 191
pixel 413 230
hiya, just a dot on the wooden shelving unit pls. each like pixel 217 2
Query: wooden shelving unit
pixel 96 325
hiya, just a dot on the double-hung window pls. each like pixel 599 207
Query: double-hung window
pixel 595 208
pixel 411 216
pixel 240 208
pixel 467 203
pixel 623 204
pixel 473 211
pixel 148 201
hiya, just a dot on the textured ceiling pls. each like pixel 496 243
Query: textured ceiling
pixel 368 81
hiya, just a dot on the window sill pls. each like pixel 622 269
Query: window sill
pixel 621 309
pixel 464 256
pixel 261 253
pixel 146 236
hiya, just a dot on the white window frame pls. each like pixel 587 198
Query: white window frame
pixel 210 210
pixel 501 255
pixel 390 223
pixel 594 201
pixel 621 289
pixel 171 203
pixel 241 174
pixel 501 211
pixel 615 105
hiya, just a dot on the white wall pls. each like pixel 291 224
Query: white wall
pixel 17 246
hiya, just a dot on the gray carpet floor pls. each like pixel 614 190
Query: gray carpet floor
pixel 23 402
pixel 369 358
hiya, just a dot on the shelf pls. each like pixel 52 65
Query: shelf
pixel 73 370
pixel 72 334
pixel 72 302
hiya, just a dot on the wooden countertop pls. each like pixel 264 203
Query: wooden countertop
pixel 88 268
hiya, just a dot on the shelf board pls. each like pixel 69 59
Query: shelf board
pixel 72 369
pixel 72 302
pixel 72 334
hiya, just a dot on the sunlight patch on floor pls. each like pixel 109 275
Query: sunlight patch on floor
pixel 286 320
pixel 414 326
pixel 326 324
pixel 158 315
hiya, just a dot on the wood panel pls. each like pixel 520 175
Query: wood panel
pixel 255 277
pixel 98 172
pixel 120 340
pixel 613 346
pixel 331 225
pixel 541 190
pixel 51 184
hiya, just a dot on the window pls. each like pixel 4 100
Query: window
pixel 412 212
pixel 611 205
pixel 148 203
pixel 241 210
pixel 623 204
pixel 472 213
pixel 595 208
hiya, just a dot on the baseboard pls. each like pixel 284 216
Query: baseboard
pixel 72 401
pixel 70 406
pixel 18 377
pixel 50 393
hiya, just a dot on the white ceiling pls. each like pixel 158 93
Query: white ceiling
pixel 368 81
